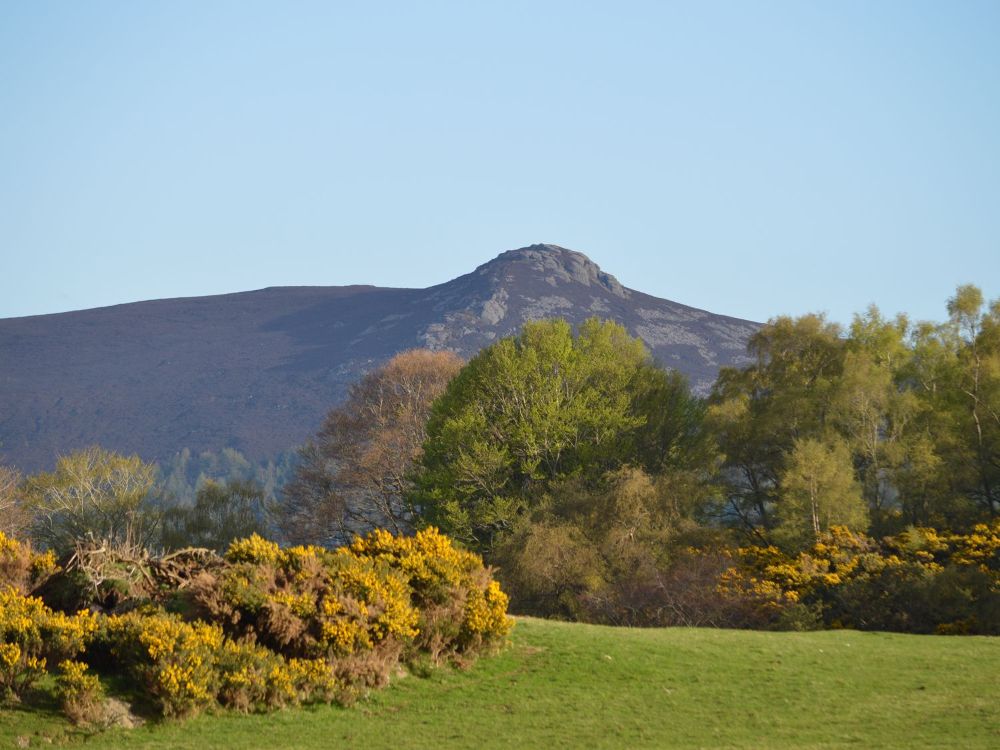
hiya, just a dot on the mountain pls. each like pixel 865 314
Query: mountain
pixel 257 371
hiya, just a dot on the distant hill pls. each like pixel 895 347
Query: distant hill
pixel 256 371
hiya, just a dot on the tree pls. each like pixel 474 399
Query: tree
pixel 220 514
pixel 537 408
pixel 758 412
pixel 353 476
pixel 95 494
pixel 873 407
pixel 978 388
pixel 14 517
pixel 818 490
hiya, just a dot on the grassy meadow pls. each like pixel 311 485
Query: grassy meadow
pixel 573 685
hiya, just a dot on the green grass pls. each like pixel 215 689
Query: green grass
pixel 566 685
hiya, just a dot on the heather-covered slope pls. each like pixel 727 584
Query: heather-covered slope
pixel 257 371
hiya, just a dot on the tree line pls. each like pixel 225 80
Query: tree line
pixel 599 485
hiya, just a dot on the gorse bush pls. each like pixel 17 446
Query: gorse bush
pixel 361 608
pixel 461 608
pixel 189 666
pixel 80 693
pixel 310 603
pixel 919 581
pixel 32 636
pixel 22 568
pixel 260 628
pixel 172 660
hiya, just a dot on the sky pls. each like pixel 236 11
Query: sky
pixel 748 158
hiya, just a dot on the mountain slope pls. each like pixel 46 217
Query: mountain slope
pixel 257 371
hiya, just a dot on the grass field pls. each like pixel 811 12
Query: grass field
pixel 566 685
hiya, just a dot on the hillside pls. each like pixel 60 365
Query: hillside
pixel 256 371
pixel 570 685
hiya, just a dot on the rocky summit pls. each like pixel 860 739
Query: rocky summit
pixel 257 371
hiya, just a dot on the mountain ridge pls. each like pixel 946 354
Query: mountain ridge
pixel 257 370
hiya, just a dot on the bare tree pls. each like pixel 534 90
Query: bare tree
pixel 353 476
pixel 93 494
pixel 14 516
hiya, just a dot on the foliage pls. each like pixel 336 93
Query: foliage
pixel 919 581
pixel 180 477
pixel 307 602
pixel 916 406
pixel 604 550
pixel 32 635
pixel 81 694
pixel 352 477
pixel 93 494
pixel 461 609
pixel 220 513
pixel 14 516
pixel 188 667
pixel 21 568
pixel 819 491
pixel 538 408
pixel 172 660
pixel 262 628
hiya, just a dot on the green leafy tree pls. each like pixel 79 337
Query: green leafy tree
pixel 758 412
pixel 873 408
pixel 540 407
pixel 818 490
pixel 977 386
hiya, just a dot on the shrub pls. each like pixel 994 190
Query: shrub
pixel 172 660
pixel 32 635
pixel 81 694
pixel 21 567
pixel 461 608
pixel 307 603
pixel 919 581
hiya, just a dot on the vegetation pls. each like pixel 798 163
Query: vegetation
pixel 261 628
pixel 601 489
pixel 589 686
pixel 844 479
pixel 353 476
pixel 220 514
pixel 539 408
pixel 93 494
pixel 915 408
pixel 14 517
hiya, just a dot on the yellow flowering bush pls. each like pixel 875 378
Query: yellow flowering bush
pixel 253 678
pixel 172 659
pixel 32 635
pixel 307 602
pixel 21 567
pixel 254 549
pixel 918 581
pixel 263 627
pixel 80 693
pixel 462 608
pixel 981 548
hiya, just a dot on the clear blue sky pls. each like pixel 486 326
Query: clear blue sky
pixel 750 158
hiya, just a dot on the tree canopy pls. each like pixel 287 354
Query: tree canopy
pixel 352 476
pixel 544 405
pixel 93 493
